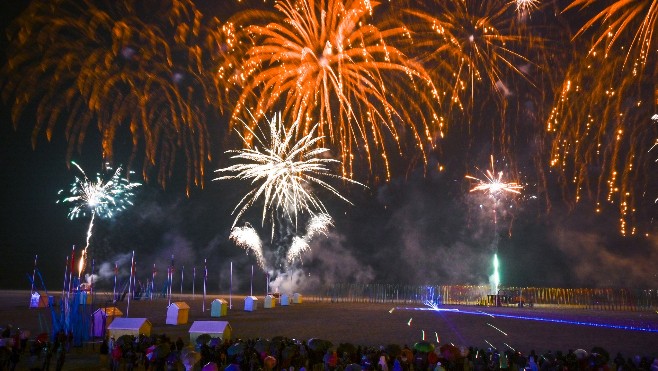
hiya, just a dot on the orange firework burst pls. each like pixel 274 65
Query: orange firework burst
pixel 601 120
pixel 468 42
pixel 623 20
pixel 323 61
pixel 142 69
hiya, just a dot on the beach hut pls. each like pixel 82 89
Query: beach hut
pixel 129 326
pixel 218 308
pixel 102 318
pixel 38 301
pixel 177 313
pixel 269 302
pixel 297 298
pixel 285 300
pixel 216 329
pixel 250 303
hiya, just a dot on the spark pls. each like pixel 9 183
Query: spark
pixel 282 172
pixel 326 62
pixel 493 183
pixel 473 41
pixel 298 246
pixel 509 346
pixel 319 224
pixel 598 121
pixel 409 323
pixel 436 335
pixel 247 238
pixel 526 6
pixel 99 198
pixel 148 71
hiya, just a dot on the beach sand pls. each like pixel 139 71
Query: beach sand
pixel 374 324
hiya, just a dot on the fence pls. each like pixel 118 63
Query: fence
pixel 586 298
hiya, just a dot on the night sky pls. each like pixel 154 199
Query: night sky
pixel 422 227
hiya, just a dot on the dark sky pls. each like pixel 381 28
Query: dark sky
pixel 422 227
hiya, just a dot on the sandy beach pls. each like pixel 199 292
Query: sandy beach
pixel 374 324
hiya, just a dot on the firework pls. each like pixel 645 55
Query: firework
pixel 325 61
pixel 625 22
pixel 493 183
pixel 526 6
pixel 299 246
pixel 469 42
pixel 98 198
pixel 318 224
pixel 600 131
pixel 247 238
pixel 283 171
pixel 139 69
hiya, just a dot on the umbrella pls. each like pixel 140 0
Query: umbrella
pixel 393 350
pixel 262 346
pixel 580 354
pixel 318 345
pixel 269 362
pixel 406 352
pixel 211 366
pixel 289 351
pixel 203 339
pixel 450 352
pixel 348 348
pixel 235 349
pixel 424 346
pixel 161 351
pixel 124 340
pixel 604 353
pixel 353 367
pixel 150 352
pixel 189 358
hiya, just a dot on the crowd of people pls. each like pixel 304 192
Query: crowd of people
pixel 206 353
pixel 161 353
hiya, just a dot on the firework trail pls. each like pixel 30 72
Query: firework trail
pixel 282 172
pixel 247 238
pixel 495 187
pixel 141 69
pixel 98 198
pixel 325 62
pixel 598 124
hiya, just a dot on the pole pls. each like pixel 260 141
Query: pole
pixel 66 271
pixel 116 272
pixel 251 283
pixel 130 279
pixel 152 281
pixel 205 277
pixel 230 290
pixel 182 269
pixel 193 279
pixel 72 267
pixel 34 273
